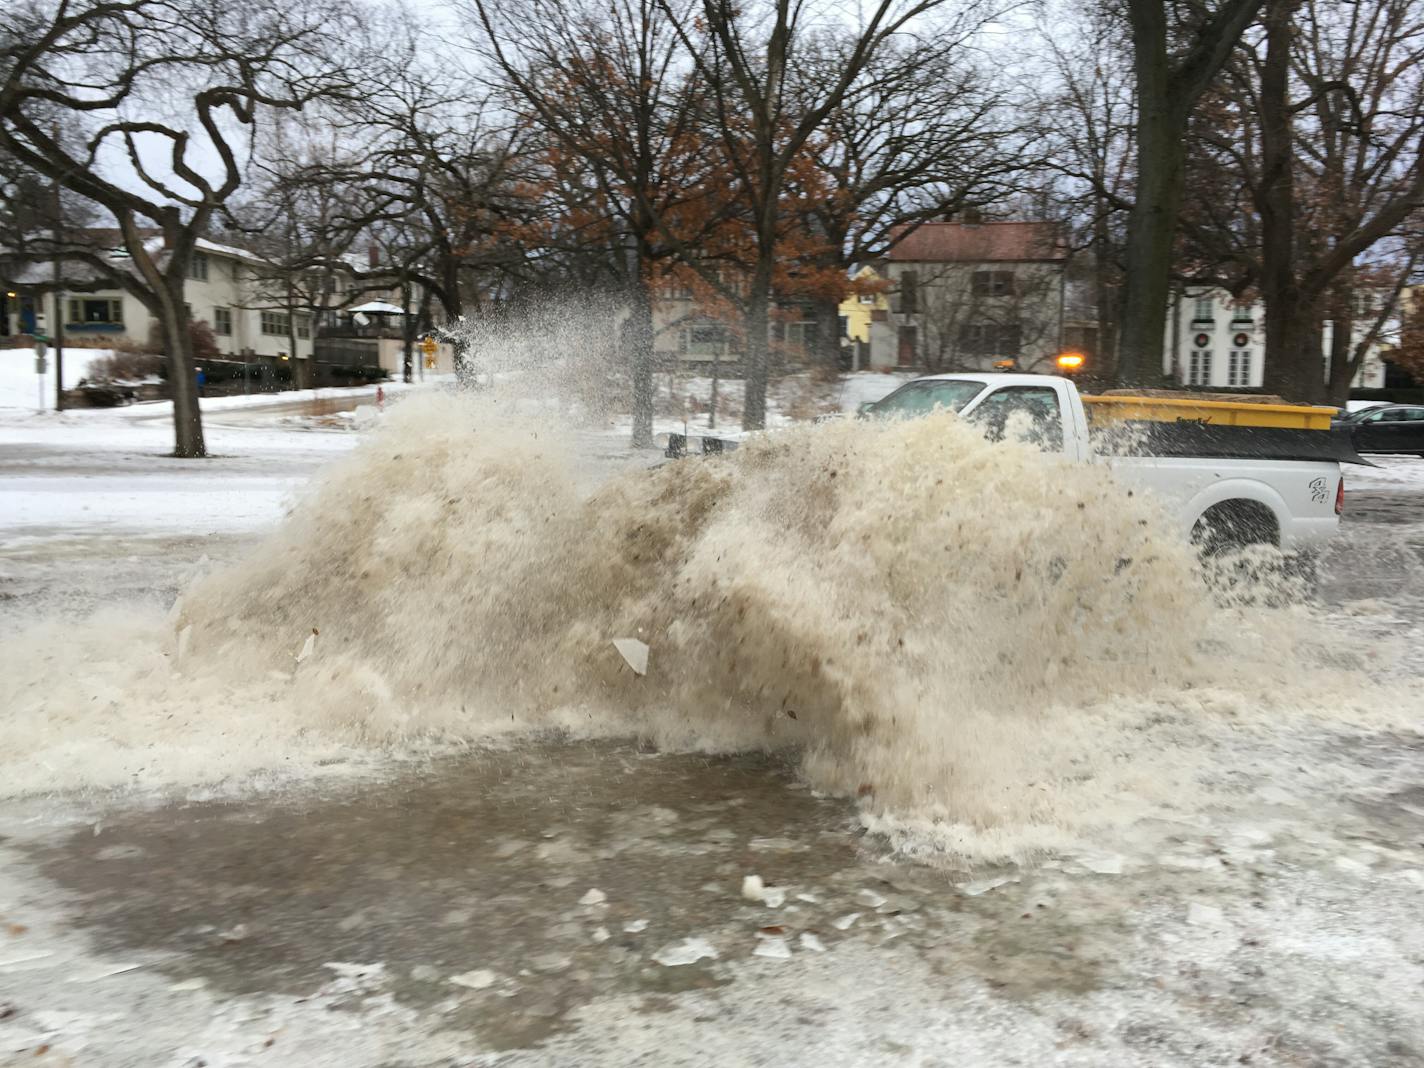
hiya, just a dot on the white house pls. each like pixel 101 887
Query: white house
pixel 1214 340
pixel 224 288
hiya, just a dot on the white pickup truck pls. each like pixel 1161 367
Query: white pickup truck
pixel 1220 501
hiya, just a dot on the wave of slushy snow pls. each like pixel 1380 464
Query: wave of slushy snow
pixel 973 638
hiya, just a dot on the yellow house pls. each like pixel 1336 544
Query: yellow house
pixel 855 309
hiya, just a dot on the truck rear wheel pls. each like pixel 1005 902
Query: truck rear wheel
pixel 1235 525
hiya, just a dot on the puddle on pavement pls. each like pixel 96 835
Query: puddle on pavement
pixel 477 865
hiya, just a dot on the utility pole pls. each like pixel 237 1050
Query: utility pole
pixel 57 329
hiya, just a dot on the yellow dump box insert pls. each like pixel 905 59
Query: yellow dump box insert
pixel 1220 409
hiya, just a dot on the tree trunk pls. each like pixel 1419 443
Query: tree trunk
pixel 756 356
pixel 407 333
pixel 638 336
pixel 1292 332
pixel 1105 351
pixel 1291 369
pixel 177 344
pixel 1167 92
pixel 1152 224
pixel 826 313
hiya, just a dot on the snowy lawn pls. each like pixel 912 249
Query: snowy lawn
pixel 106 470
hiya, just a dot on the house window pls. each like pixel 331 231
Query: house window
pixel 96 313
pixel 704 341
pixel 909 293
pixel 222 321
pixel 303 326
pixel 993 283
pixel 802 335
pixel 198 267
pixel 277 324
pixel 1199 367
pixel 867 298
pixel 990 339
pixel 844 321
pixel 1204 309
pixel 1238 367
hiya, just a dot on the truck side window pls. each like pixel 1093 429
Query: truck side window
pixel 1028 413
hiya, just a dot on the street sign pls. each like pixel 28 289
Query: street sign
pixel 41 347
pixel 41 364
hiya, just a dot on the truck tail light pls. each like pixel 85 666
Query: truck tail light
pixel 1340 497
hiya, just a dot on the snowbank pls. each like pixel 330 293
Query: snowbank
pixel 19 383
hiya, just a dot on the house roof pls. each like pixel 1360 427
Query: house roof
pixel 992 242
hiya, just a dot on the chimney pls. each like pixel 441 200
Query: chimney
pixel 373 256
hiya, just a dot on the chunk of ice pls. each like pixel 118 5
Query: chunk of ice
pixel 479 979
pixel 688 951
pixel 595 896
pixel 775 948
pixel 634 653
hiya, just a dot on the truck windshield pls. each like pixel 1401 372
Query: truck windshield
pixel 921 398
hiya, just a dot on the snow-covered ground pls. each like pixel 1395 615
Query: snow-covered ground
pixel 1389 473
pixel 105 470
pixel 20 386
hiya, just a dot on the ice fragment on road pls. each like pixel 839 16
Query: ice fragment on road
pixel 634 926
pixel 775 948
pixel 102 972
pixel 983 886
pixel 688 951
pixel 845 921
pixel 1102 863
pixel 308 647
pixel 776 845
pixel 811 942
pixel 753 888
pixel 600 934
pixel 810 899
pixel 595 896
pixel 479 979
pixel 870 899
pixel 773 897
pixel 634 653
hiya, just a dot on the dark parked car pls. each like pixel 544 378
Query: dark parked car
pixel 1388 428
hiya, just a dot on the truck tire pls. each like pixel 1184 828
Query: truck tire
pixel 1235 525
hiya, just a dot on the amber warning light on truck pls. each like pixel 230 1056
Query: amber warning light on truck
pixel 1070 362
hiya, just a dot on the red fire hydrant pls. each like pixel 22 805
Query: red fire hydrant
pixel 380 398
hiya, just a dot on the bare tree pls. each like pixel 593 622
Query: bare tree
pixel 165 93
pixel 1084 114
pixel 746 56
pixel 1308 182
pixel 607 83
pixel 922 133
